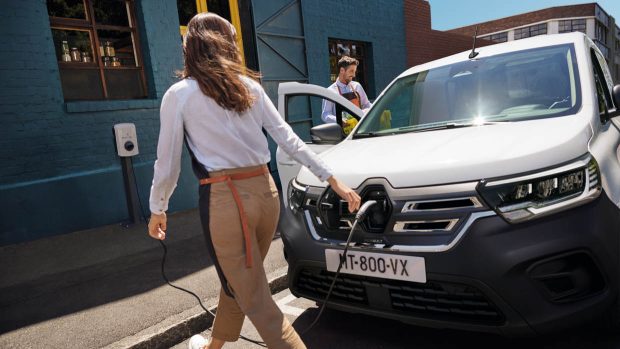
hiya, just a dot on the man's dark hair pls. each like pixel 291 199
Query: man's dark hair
pixel 346 61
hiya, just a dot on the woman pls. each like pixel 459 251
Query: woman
pixel 220 111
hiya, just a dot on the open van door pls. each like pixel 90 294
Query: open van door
pixel 301 105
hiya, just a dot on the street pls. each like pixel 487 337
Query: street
pixel 337 329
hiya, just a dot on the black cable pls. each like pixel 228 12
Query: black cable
pixel 163 273
pixel 163 262
pixel 361 214
pixel 331 287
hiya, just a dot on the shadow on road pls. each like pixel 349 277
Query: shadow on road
pixel 68 292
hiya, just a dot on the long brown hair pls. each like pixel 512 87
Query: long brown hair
pixel 213 60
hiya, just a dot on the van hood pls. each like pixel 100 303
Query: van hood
pixel 457 155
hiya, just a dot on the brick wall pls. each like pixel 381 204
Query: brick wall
pixel 39 139
pixel 527 18
pixel 379 23
pixel 30 91
pixel 425 44
pixel 59 170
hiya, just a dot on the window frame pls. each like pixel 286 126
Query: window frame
pixel 235 19
pixel 90 25
pixel 363 57
pixel 526 32
pixel 497 37
pixel 572 25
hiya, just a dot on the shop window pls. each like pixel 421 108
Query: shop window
pixel 97 49
pixel 354 49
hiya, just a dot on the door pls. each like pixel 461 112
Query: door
pixel 228 9
pixel 300 105
pixel 280 49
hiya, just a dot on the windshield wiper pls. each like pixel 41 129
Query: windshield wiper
pixel 367 135
pixel 415 128
pixel 448 125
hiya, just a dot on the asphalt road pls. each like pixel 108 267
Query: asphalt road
pixel 337 329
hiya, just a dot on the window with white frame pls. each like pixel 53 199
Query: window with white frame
pixel 572 25
pixel 533 30
pixel 498 37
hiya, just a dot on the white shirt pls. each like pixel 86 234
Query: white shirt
pixel 220 138
pixel 329 108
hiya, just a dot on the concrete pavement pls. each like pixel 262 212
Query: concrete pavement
pixel 103 287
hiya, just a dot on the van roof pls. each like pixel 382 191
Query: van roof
pixel 510 46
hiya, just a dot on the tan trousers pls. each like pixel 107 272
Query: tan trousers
pixel 249 286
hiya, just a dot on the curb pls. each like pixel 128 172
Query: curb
pixel 188 326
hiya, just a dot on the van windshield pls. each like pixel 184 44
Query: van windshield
pixel 522 85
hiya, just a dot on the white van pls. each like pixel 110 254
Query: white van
pixel 498 188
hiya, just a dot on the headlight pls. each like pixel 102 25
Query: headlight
pixel 528 197
pixel 295 196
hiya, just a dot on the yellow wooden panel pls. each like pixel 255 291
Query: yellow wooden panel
pixel 201 6
pixel 236 21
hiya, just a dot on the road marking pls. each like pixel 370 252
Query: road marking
pixel 288 309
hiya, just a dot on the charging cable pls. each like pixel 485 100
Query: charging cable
pixel 361 214
pixel 163 272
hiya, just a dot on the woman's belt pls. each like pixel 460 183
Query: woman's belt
pixel 229 178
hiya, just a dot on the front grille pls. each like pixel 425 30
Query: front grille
pixel 316 284
pixel 448 300
pixel 435 300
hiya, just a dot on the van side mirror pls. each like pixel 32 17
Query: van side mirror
pixel 326 134
pixel 615 94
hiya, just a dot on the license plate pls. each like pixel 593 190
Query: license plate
pixel 380 265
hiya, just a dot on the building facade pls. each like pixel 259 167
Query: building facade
pixel 72 69
pixel 425 44
pixel 590 19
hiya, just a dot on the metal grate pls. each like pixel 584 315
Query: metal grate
pixel 451 301
pixel 433 300
pixel 317 283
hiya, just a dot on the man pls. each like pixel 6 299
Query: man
pixel 347 88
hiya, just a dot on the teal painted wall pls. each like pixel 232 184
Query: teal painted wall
pixel 379 23
pixel 59 169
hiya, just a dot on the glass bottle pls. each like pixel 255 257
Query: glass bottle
pixel 76 56
pixel 109 49
pixel 116 62
pixel 86 57
pixel 66 57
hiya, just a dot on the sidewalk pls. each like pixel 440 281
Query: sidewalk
pixel 103 287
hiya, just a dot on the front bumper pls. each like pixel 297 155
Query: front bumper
pixel 517 279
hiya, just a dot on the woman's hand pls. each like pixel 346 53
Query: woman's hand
pixel 345 193
pixel 157 226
